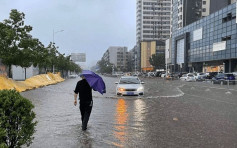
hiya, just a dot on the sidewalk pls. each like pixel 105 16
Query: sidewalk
pixel 30 83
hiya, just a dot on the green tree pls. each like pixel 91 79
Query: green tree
pixel 41 56
pixel 15 41
pixel 105 66
pixel 158 61
pixel 16 119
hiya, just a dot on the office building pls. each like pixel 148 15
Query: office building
pixel 186 12
pixel 118 56
pixel 207 45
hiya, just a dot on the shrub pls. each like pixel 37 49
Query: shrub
pixel 16 120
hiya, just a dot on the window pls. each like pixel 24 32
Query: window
pixel 204 2
pixel 204 10
pixel 226 38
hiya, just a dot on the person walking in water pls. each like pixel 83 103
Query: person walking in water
pixel 85 100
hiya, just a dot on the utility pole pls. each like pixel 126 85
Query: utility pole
pixel 53 41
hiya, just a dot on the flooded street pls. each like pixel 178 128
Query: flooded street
pixel 170 114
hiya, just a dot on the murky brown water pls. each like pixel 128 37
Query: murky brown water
pixel 171 114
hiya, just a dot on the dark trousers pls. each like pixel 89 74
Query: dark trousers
pixel 85 109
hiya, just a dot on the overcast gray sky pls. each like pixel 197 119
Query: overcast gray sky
pixel 90 26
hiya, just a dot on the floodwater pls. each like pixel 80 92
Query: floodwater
pixel 170 114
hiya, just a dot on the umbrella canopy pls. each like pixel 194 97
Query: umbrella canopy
pixel 95 81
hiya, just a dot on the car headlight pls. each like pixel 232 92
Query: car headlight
pixel 140 89
pixel 121 89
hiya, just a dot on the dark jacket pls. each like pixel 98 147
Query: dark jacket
pixel 84 90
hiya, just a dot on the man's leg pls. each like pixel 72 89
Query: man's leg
pixel 86 117
pixel 82 110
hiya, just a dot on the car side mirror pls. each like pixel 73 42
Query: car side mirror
pixel 142 82
pixel 116 82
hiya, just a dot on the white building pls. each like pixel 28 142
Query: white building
pixel 153 20
pixel 118 56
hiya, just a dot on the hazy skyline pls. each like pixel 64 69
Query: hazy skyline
pixel 89 26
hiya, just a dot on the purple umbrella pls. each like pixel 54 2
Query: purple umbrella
pixel 95 81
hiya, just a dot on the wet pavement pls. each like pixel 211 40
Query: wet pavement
pixel 170 114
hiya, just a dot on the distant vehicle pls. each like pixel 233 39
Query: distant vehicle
pixel 159 72
pixel 210 75
pixel 187 77
pixel 163 75
pixel 223 78
pixel 119 73
pixel 179 74
pixel 73 76
pixel 199 76
pixel 151 74
pixel 129 85
pixel 234 73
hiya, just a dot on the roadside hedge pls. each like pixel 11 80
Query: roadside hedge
pixel 17 124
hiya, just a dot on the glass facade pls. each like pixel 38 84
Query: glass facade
pixel 215 28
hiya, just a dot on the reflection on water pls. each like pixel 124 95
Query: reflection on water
pixel 121 117
pixel 140 110
pixel 139 116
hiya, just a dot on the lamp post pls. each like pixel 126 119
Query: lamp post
pixel 54 32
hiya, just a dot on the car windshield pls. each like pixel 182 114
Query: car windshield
pixel 129 81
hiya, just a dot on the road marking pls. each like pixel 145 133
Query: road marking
pixel 181 93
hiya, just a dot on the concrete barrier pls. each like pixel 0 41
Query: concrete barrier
pixel 30 83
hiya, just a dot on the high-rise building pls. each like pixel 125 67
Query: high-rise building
pixel 153 24
pixel 186 12
pixel 118 56
pixel 153 20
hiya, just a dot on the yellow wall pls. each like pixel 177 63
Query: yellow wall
pixel 147 50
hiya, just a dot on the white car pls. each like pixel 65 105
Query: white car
pixel 129 85
pixel 199 76
pixel 187 77
pixel 73 76
pixel 163 75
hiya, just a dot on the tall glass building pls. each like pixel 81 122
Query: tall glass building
pixel 207 45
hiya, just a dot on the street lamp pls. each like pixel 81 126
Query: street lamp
pixel 54 32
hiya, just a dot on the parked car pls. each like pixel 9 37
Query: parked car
pixel 199 76
pixel 129 85
pixel 188 77
pixel 158 73
pixel 223 78
pixel 234 73
pixel 210 75
pixel 73 76
pixel 180 74
pixel 151 74
pixel 163 75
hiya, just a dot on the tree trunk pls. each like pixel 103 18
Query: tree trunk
pixel 9 71
pixel 25 73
